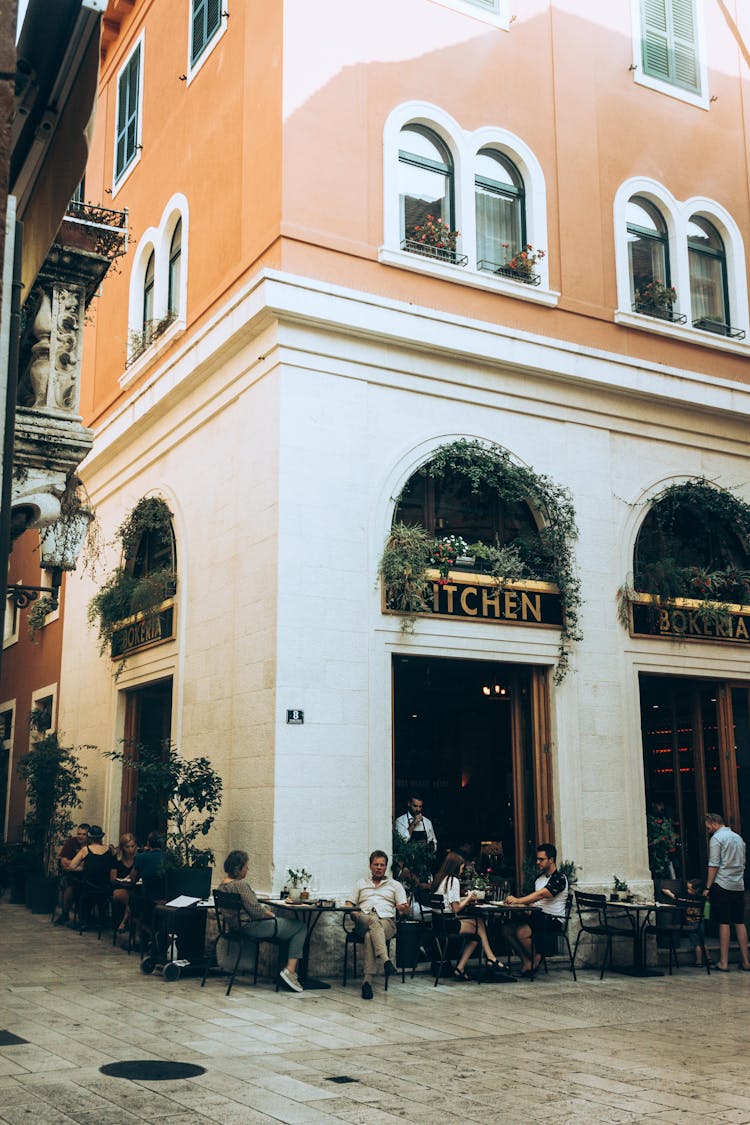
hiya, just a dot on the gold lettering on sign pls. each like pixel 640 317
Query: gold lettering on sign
pixel 464 595
pixel 488 601
pixel 741 629
pixel 511 605
pixel 531 607
pixel 450 591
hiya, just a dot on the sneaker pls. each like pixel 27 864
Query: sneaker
pixel 389 968
pixel 367 991
pixel 291 981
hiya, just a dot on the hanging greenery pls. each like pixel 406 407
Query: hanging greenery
pixel 123 594
pixel 693 544
pixel 547 556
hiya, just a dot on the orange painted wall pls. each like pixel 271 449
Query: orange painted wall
pixel 559 79
pixel 28 665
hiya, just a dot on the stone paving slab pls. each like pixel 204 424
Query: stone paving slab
pixel 550 1051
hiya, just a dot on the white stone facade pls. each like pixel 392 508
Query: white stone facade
pixel 280 438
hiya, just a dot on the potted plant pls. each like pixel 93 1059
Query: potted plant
pixel 522 265
pixel 403 569
pixel 433 237
pixel 479 885
pixel 186 792
pixel 445 552
pixel 620 890
pixel 655 299
pixel 54 779
pixel 663 839
pixel 298 884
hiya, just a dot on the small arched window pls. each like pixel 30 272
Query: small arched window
pixel 175 267
pixel 425 181
pixel 648 251
pixel 148 295
pixel 709 292
pixel 500 209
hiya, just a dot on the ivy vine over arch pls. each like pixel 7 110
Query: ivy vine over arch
pixel 124 592
pixel 693 543
pixel 548 557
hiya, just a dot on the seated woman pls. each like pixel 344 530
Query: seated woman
pixel 447 883
pixel 261 921
pixel 124 869
pixel 95 860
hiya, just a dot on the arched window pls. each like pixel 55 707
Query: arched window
pixel 709 292
pixel 688 546
pixel 175 266
pixel 500 209
pixel 150 549
pixel 425 182
pixel 447 505
pixel 148 295
pixel 648 256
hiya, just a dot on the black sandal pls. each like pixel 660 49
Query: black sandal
pixel 461 974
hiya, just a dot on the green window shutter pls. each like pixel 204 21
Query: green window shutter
pixel 206 22
pixel 685 53
pixel 127 114
pixel 669 49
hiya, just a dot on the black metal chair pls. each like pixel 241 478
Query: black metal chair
pixel 141 932
pixel 680 918
pixel 353 939
pixel 96 892
pixel 548 944
pixel 446 934
pixel 594 919
pixel 229 922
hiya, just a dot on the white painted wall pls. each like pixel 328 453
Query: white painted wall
pixel 282 446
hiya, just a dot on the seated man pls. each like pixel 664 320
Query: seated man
pixel 68 852
pixel 151 860
pixel 548 914
pixel 378 900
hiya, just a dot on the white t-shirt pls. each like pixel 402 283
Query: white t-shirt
pixel 450 889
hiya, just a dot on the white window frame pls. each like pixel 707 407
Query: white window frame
pixel 497 16
pixel 159 241
pixel 677 215
pixel 9 705
pixel 12 613
pixel 193 68
pixel 118 181
pixel 43 693
pixel 464 148
pixel 660 85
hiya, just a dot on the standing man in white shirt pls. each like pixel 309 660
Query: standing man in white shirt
pixel 726 887
pixel 378 900
pixel 414 826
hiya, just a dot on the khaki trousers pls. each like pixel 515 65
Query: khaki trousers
pixel 376 932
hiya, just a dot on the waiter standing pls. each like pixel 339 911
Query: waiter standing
pixel 414 826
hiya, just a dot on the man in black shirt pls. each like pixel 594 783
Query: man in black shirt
pixel 548 908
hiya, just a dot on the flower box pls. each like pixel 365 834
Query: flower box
pixel 437 253
pixel 710 324
pixel 661 312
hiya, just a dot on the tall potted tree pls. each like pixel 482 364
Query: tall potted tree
pixel 184 792
pixel 54 779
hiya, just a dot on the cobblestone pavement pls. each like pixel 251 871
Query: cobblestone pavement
pixel 621 1050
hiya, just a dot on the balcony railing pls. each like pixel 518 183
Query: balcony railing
pixel 720 327
pixel 660 312
pixel 506 271
pixel 152 329
pixel 97 230
pixel 437 253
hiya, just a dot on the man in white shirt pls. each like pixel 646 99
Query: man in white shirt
pixel 378 900
pixel 726 886
pixel 413 825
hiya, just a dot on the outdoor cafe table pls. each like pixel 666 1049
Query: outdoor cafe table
pixel 639 914
pixel 496 912
pixel 311 913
